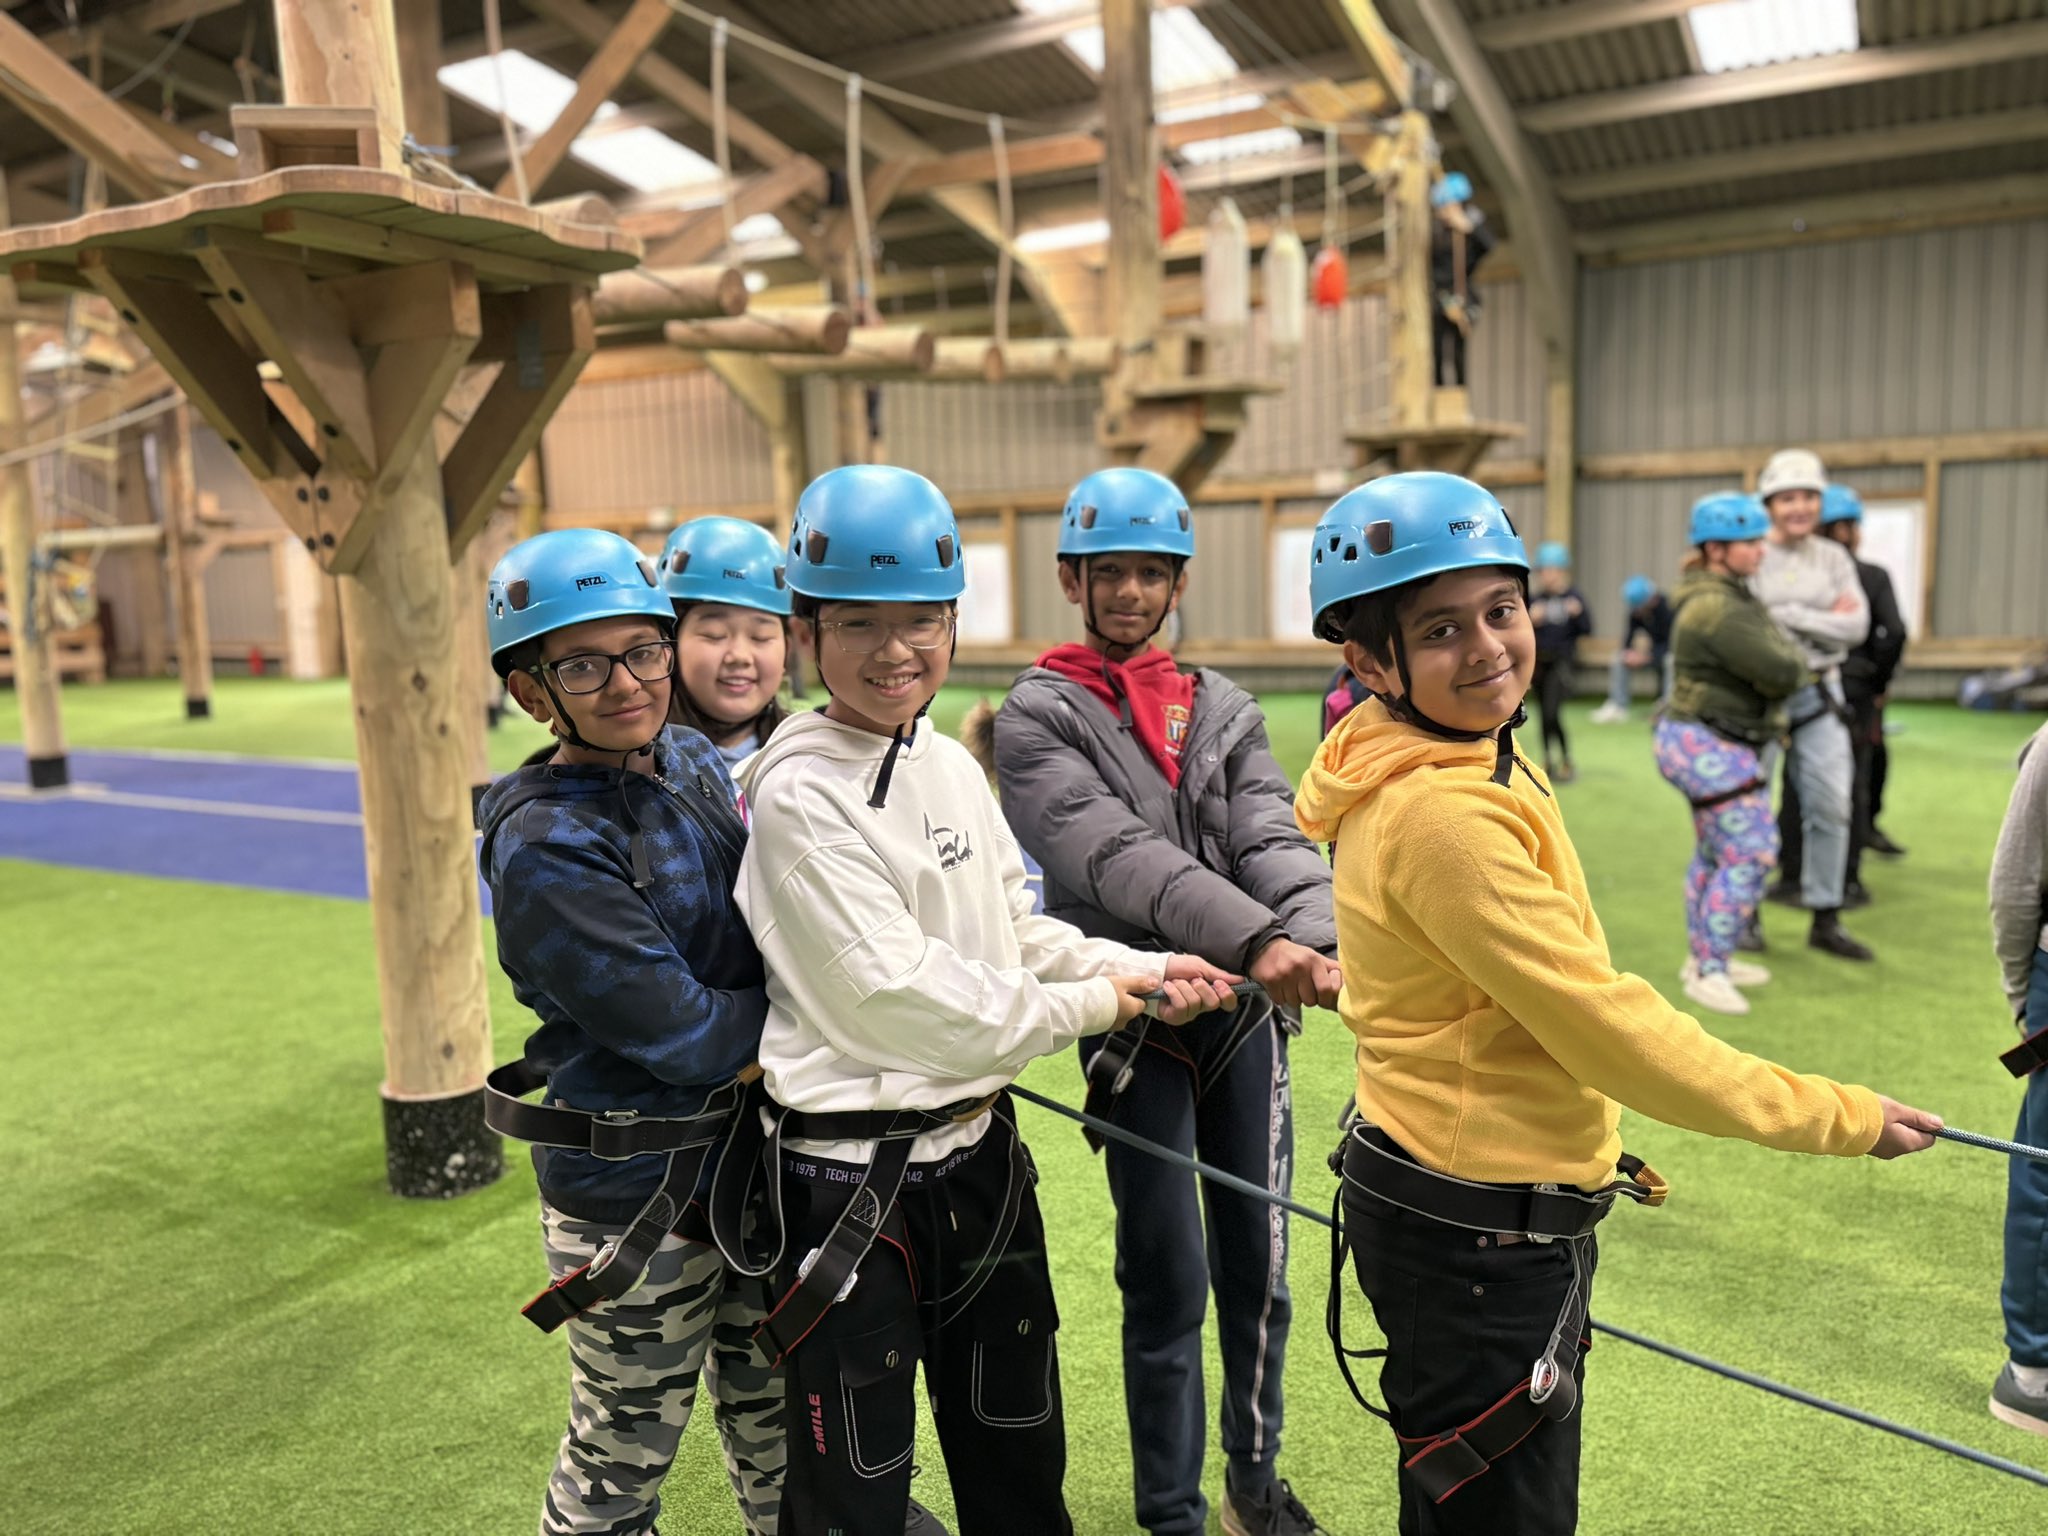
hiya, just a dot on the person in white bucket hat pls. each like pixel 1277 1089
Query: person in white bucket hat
pixel 1809 585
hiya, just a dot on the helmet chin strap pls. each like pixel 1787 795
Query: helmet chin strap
pixel 1088 614
pixel 1403 708
pixel 636 841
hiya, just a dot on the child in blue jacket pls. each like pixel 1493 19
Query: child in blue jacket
pixel 611 866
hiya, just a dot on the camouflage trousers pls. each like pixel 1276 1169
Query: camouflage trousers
pixel 634 1367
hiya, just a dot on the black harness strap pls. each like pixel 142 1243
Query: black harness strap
pixel 2029 1056
pixel 827 1273
pixel 613 1134
pixel 1443 1463
pixel 1724 796
pixel 621 1264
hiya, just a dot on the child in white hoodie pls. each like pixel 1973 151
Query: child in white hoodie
pixel 908 983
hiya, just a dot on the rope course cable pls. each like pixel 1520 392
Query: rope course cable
pixel 1627 1335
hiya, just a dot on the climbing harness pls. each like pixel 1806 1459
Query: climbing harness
pixel 754 1155
pixel 1371 1161
pixel 621 1264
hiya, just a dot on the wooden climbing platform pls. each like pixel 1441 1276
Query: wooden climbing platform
pixel 319 316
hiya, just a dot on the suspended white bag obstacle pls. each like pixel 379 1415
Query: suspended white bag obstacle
pixel 1284 270
pixel 1226 269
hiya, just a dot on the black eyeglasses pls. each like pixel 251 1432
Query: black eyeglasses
pixel 588 671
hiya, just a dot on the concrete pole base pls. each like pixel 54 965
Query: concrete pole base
pixel 436 1149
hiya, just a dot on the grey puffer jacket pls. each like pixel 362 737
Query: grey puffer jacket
pixel 1215 867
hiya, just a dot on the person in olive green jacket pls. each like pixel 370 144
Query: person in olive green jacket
pixel 1733 669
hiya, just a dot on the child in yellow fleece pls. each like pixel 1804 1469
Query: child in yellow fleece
pixel 1496 1041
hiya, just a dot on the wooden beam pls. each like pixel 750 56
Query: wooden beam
pixel 194 76
pixel 1373 46
pixel 1823 152
pixel 887 139
pixel 182 140
pixel 384 243
pixel 67 105
pixel 1804 221
pixel 593 27
pixel 1843 454
pixel 179 497
pixel 700 234
pixel 916 56
pixel 545 336
pixel 1576 18
pixel 622 48
pixel 1693 93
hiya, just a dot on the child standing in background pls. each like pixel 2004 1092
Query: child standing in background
pixel 1559 612
pixel 1645 642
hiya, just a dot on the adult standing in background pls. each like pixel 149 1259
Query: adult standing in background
pixel 2019 932
pixel 1809 585
pixel 1866 677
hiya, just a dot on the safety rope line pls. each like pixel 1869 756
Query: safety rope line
pixel 857 203
pixel 1628 1336
pixel 494 40
pixel 1006 215
pixel 98 429
pixel 721 135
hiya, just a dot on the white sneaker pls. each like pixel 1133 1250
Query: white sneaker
pixel 1744 973
pixel 1716 992
pixel 1608 714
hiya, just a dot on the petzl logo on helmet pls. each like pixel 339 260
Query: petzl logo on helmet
pixel 1466 525
pixel 589 581
pixel 733 575
pixel 878 561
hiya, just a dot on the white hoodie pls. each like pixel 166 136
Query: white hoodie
pixel 906 969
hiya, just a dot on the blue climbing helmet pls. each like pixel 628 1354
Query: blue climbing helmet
pixel 1552 556
pixel 873 533
pixel 569 576
pixel 1839 504
pixel 1454 187
pixel 1728 517
pixel 725 560
pixel 1116 510
pixel 1400 529
pixel 1638 590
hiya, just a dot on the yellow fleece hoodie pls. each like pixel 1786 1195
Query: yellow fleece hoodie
pixel 1494 1035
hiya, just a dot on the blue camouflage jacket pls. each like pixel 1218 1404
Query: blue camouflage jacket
pixel 648 999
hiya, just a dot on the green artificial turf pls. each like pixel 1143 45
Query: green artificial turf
pixel 221 1323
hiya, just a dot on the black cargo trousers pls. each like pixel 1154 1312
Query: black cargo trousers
pixel 953 1282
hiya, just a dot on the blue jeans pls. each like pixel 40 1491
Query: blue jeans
pixel 1823 765
pixel 1618 676
pixel 2024 1295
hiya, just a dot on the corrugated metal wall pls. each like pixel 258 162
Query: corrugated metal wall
pixel 1226 597
pixel 670 440
pixel 1991 551
pixel 241 585
pixel 969 438
pixel 1625 528
pixel 1941 331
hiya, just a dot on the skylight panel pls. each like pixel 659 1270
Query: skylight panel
pixel 536 92
pixel 1184 52
pixel 1743 34
pixel 645 159
pixel 1064 237
pixel 1236 146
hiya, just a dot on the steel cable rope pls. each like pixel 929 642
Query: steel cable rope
pixel 1627 1335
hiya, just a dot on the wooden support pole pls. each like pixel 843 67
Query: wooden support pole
pixel 179 499
pixel 35 656
pixel 399 618
pixel 1410 296
pixel 426 118
pixel 1560 451
pixel 822 331
pixel 1130 173
pixel 641 296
